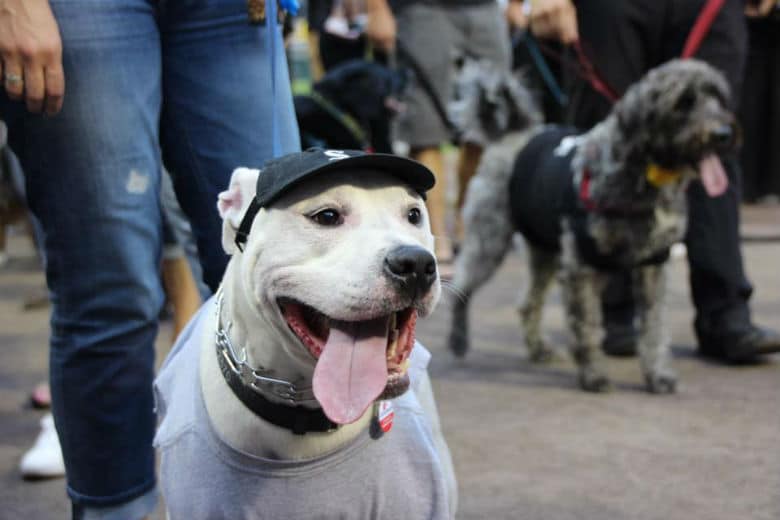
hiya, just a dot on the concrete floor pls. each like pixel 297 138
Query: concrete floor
pixel 526 442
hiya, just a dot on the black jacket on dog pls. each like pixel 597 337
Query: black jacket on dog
pixel 542 191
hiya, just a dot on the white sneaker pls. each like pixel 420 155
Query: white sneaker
pixel 44 459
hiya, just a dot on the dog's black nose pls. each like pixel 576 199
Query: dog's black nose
pixel 723 135
pixel 413 268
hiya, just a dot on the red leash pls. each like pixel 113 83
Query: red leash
pixel 701 27
pixel 697 34
pixel 592 76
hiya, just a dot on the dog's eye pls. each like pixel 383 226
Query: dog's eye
pixel 686 101
pixel 327 217
pixel 414 216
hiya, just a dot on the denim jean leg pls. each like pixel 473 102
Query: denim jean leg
pixel 217 109
pixel 93 181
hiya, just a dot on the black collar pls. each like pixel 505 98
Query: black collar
pixel 298 419
pixel 245 382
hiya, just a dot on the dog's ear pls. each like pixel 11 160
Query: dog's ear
pixel 233 203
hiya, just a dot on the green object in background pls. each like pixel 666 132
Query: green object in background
pixel 298 58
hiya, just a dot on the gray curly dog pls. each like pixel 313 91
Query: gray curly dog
pixel 586 204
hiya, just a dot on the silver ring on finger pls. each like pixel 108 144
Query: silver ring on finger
pixel 12 79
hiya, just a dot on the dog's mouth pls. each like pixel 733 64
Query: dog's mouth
pixel 358 362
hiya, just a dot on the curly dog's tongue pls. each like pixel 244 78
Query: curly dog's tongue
pixel 352 369
pixel 712 175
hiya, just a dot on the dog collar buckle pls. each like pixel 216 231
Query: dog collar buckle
pixel 247 374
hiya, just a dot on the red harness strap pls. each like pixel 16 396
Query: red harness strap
pixel 621 211
pixel 587 202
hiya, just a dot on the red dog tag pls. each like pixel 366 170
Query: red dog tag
pixel 382 419
pixel 386 415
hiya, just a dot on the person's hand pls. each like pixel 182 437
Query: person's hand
pixel 555 19
pixel 380 26
pixel 759 9
pixel 31 54
pixel 516 15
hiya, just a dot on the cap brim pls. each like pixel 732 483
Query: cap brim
pixel 410 172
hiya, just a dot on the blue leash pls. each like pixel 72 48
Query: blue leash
pixel 541 65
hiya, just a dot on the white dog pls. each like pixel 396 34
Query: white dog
pixel 276 397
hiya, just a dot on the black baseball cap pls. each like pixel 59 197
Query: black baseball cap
pixel 280 174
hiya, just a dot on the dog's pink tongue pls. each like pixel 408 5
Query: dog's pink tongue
pixel 712 175
pixel 352 369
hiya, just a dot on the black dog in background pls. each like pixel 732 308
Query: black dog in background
pixel 351 107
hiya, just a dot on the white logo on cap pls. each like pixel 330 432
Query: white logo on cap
pixel 336 155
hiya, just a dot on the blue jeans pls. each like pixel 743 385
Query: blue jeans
pixel 184 81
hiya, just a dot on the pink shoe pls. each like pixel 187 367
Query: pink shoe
pixel 41 396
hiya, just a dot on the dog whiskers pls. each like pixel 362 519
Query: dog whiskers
pixel 449 286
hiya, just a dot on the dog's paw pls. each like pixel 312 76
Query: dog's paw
pixel 459 343
pixel 459 333
pixel 542 355
pixel 661 383
pixel 594 381
pixel 459 338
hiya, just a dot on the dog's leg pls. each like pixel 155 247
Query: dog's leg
pixel 654 352
pixel 581 287
pixel 3 254
pixel 487 239
pixel 542 267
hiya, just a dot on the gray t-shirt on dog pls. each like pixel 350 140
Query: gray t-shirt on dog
pixel 204 478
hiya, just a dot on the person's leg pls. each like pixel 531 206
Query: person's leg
pixel 426 36
pixel 218 110
pixel 755 115
pixel 436 201
pixel 771 176
pixel 718 281
pixel 93 181
pixel 719 286
pixel 482 34
pixel 468 161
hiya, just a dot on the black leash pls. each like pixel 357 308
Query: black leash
pixel 427 87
